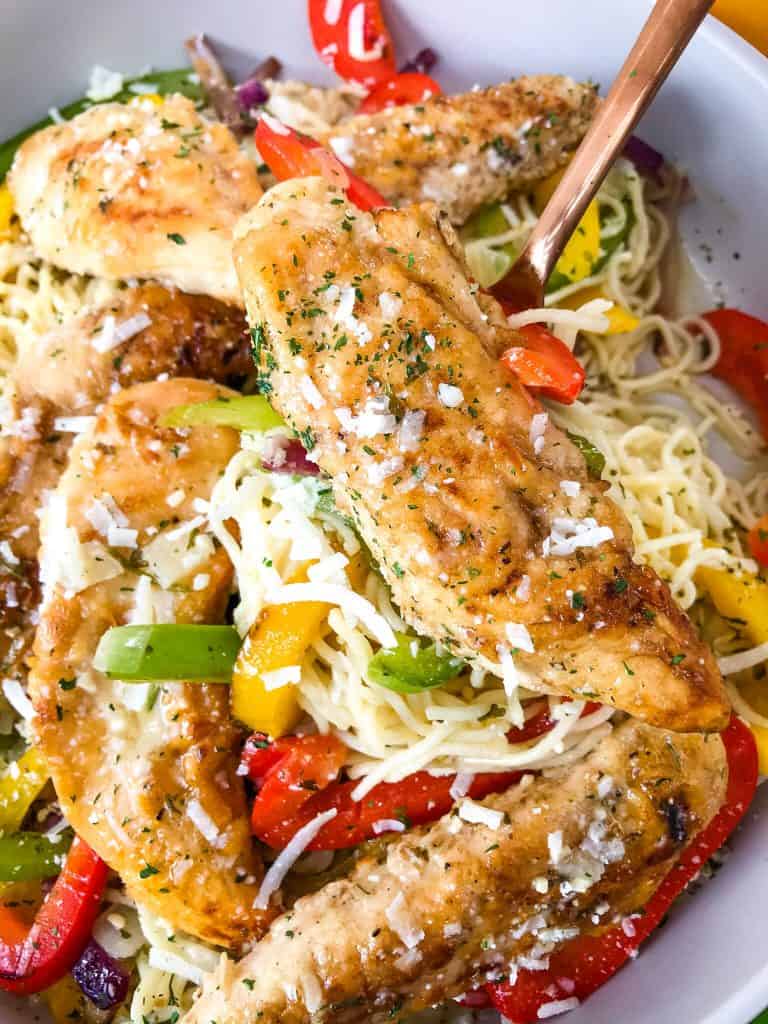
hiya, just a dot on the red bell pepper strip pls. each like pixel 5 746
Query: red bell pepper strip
pixel 297 780
pixel 352 38
pixel 743 361
pixel 291 155
pixel 33 959
pixel 406 88
pixel 758 541
pixel 545 365
pixel 587 962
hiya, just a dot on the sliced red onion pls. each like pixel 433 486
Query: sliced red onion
pixel 216 85
pixel 423 62
pixel 290 457
pixel 251 93
pixel 101 978
pixel 646 159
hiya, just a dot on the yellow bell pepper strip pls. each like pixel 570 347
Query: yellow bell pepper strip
pixel 147 97
pixel 739 596
pixel 620 320
pixel 280 638
pixel 20 786
pixel 65 1001
pixel 6 212
pixel 761 741
pixel 744 598
pixel 582 250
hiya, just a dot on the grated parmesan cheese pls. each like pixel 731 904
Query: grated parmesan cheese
pixel 449 395
pixel 537 430
pixel 402 924
pixel 566 535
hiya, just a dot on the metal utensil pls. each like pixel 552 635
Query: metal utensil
pixel 663 38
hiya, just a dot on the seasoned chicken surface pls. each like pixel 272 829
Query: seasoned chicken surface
pixel 144 190
pixel 146 776
pixel 446 907
pixel 67 373
pixel 467 150
pixel 481 514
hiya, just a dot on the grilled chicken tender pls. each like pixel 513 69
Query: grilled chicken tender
pixel 449 906
pixel 481 514
pixel 147 777
pixel 467 150
pixel 68 372
pixel 145 190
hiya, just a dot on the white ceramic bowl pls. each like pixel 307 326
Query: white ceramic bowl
pixel 710 964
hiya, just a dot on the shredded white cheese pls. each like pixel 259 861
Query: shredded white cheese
pixel 411 429
pixel 73 424
pixel 477 814
pixel 519 637
pixel 18 700
pixel 556 1007
pixel 280 677
pixel 113 334
pixel 103 84
pixel 205 824
pixel 310 392
pixel 743 660
pixel 285 860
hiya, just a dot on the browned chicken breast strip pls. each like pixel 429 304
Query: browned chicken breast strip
pixel 481 514
pixel 66 373
pixel 147 777
pixel 449 906
pixel 467 150
pixel 137 190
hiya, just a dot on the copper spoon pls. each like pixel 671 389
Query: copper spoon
pixel 663 38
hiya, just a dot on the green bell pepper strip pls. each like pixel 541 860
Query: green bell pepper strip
pixel 402 670
pixel 172 653
pixel 27 856
pixel 247 412
pixel 181 80
pixel 593 457
pixel 620 239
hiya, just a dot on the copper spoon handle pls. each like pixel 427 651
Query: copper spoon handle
pixel 663 38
